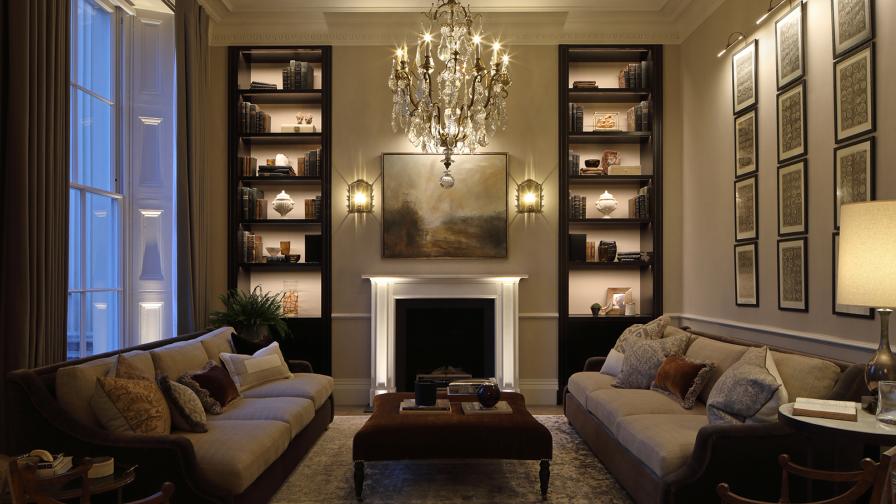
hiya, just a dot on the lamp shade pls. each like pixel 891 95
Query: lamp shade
pixel 866 269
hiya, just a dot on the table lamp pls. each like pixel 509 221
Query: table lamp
pixel 866 273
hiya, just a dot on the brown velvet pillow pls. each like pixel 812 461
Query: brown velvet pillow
pixel 682 379
pixel 217 381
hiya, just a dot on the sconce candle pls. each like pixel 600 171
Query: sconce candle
pixel 529 197
pixel 360 197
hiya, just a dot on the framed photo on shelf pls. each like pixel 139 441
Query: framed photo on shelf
pixel 746 223
pixel 793 190
pixel 853 22
pixel 793 280
pixel 792 136
pixel 746 278
pixel 854 94
pixel 743 77
pixel 853 174
pixel 790 51
pixel 746 144
pixel 839 309
pixel 617 298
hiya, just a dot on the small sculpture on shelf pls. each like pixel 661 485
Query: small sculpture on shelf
pixel 283 204
pixel 596 309
pixel 606 251
pixel 282 160
pixel 592 167
pixel 606 205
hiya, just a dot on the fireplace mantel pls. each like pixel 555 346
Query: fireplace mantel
pixel 385 289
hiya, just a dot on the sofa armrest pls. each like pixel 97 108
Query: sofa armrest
pixel 299 366
pixel 743 455
pixel 594 363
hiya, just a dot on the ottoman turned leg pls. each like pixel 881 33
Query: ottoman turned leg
pixel 544 474
pixel 359 479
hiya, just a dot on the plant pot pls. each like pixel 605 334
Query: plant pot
pixel 258 334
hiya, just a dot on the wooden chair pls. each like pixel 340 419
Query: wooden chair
pixel 27 488
pixel 869 476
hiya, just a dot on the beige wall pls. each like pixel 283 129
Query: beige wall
pixel 707 193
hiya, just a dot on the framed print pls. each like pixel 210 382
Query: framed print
pixel 793 190
pixel 853 22
pixel 839 309
pixel 853 174
pixel 746 144
pixel 854 94
pixel 792 122
pixel 793 281
pixel 617 298
pixel 423 220
pixel 746 223
pixel 746 279
pixel 790 51
pixel 743 77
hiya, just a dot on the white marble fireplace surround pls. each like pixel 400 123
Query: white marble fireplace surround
pixel 386 289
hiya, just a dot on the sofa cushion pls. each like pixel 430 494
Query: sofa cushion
pixel 649 331
pixel 217 381
pixel 75 385
pixel 612 405
pixel 187 412
pixel 130 406
pixel 720 353
pixel 682 379
pixel 216 342
pixel 232 454
pixel 664 443
pixel 265 365
pixel 583 383
pixel 750 391
pixel 209 403
pixel 308 385
pixel 644 357
pixel 293 411
pixel 178 358
pixel 805 376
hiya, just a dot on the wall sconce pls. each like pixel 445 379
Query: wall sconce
pixel 773 6
pixel 529 197
pixel 734 38
pixel 360 197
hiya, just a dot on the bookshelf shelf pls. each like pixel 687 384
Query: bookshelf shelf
pixel 608 95
pixel 610 137
pixel 311 328
pixel 610 179
pixel 578 265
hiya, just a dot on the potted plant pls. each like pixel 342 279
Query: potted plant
pixel 595 309
pixel 254 315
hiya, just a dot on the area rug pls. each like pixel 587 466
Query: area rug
pixel 325 476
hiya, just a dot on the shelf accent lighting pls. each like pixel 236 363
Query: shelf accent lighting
pixel 733 39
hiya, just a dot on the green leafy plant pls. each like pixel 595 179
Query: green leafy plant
pixel 249 312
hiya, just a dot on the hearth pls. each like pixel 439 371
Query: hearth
pixel 451 338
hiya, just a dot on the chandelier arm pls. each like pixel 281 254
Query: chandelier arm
pixel 405 78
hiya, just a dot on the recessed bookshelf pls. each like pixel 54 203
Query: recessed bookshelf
pixel 610 179
pixel 611 222
pixel 608 95
pixel 282 96
pixel 288 138
pixel 279 180
pixel 610 137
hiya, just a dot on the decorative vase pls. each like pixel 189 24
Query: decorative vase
pixel 489 394
pixel 606 251
pixel 425 393
pixel 283 204
pixel 607 204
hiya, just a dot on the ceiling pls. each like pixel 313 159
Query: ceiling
pixel 368 22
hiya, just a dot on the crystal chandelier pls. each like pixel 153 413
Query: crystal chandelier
pixel 452 107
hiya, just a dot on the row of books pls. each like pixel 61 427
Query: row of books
pixel 250 247
pixel 639 206
pixel 634 76
pixel 312 208
pixel 639 117
pixel 262 85
pixel 253 205
pixel 577 207
pixel 276 171
pixel 309 165
pixel 253 119
pixel 298 75
pixel 629 257
pixel 576 118
pixel 574 160
pixel 247 165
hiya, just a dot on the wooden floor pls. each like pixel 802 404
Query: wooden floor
pixel 535 410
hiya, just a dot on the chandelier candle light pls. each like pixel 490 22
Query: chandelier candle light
pixel 452 107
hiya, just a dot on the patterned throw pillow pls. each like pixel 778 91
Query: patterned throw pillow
pixel 130 406
pixel 209 404
pixel 682 379
pixel 219 384
pixel 652 330
pixel 263 366
pixel 187 412
pixel 750 391
pixel 644 357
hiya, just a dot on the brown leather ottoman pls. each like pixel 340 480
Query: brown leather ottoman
pixel 389 435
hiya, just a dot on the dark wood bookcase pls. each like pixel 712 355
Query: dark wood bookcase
pixel 311 330
pixel 582 335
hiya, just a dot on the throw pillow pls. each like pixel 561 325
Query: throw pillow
pixel 209 404
pixel 245 346
pixel 682 379
pixel 187 413
pixel 644 357
pixel 748 392
pixel 123 368
pixel 130 406
pixel 613 363
pixel 263 366
pixel 652 330
pixel 215 379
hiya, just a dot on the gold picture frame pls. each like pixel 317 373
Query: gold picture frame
pixel 617 298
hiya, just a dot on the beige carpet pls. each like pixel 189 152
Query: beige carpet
pixel 325 476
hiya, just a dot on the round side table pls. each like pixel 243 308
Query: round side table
pixel 867 430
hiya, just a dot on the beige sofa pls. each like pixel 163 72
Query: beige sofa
pixel 661 452
pixel 247 452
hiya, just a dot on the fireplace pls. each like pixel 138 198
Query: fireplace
pixel 443 336
pixel 388 292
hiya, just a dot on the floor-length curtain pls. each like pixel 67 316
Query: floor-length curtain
pixel 33 186
pixel 191 25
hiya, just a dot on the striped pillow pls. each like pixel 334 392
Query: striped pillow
pixel 263 366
